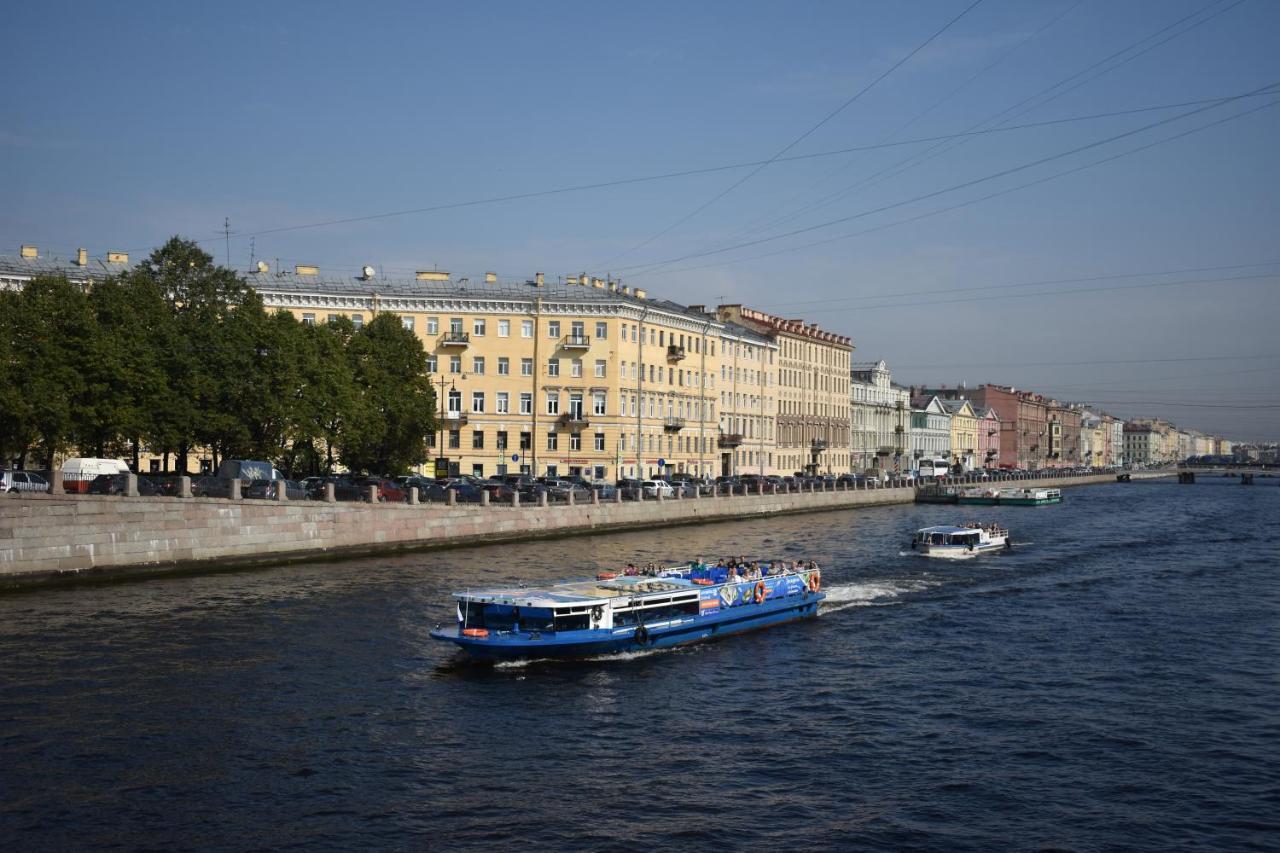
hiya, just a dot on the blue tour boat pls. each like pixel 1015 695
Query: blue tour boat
pixel 620 613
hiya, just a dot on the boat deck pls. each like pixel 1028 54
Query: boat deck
pixel 578 591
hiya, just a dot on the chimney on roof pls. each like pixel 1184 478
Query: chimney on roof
pixel 30 252
pixel 306 269
pixel 490 278
pixel 641 294
pixel 431 275
pixel 626 290
pixel 597 282
pixel 82 258
pixel 539 279
pixel 117 257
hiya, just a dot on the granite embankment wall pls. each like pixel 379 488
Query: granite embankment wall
pixel 49 538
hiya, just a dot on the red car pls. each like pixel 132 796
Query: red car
pixel 388 490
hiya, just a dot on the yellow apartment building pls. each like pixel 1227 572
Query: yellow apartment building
pixel 964 433
pixel 585 376
pixel 813 426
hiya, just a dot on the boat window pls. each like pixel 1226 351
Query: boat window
pixel 502 617
pixel 572 621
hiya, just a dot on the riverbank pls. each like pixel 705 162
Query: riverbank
pixel 48 539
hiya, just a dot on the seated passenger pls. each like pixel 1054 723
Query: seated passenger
pixel 631 570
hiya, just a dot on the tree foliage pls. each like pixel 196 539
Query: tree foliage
pixel 179 355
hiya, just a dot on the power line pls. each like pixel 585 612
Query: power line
pixel 937 211
pixel 1070 292
pixel 1186 405
pixel 1171 360
pixel 942 146
pixel 769 219
pixel 793 143
pixel 684 173
pixel 1039 283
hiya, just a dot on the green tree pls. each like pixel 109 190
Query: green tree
pixel 122 377
pixel 52 331
pixel 204 360
pixel 394 401
pixel 326 397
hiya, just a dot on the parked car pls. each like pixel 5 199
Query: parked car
pixel 22 481
pixel 631 489
pixel 656 488
pixel 115 484
pixel 79 471
pixel 463 492
pixel 248 470
pixel 210 487
pixel 266 490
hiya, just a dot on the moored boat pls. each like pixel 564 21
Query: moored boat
pixel 1029 497
pixel 581 618
pixel 959 543
pixel 1009 497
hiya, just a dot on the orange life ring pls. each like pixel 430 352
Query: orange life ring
pixel 606 576
pixel 761 592
pixel 702 581
pixel 815 582
pixel 475 632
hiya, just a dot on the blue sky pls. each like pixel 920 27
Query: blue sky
pixel 129 123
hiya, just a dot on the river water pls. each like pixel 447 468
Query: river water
pixel 1113 683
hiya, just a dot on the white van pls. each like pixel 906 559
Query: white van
pixel 934 468
pixel 79 471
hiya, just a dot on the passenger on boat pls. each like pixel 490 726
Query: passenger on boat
pixel 631 570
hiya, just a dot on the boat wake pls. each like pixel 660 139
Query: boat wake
pixel 608 657
pixel 873 594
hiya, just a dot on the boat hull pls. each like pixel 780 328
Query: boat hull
pixel 579 644
pixel 956 552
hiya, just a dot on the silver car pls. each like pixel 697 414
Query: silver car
pixel 22 481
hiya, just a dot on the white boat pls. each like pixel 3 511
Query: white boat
pixel 960 543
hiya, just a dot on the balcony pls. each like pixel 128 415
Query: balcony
pixel 818 445
pixel 453 420
pixel 576 342
pixel 456 339
pixel 729 439
pixel 673 424
pixel 574 420
pixel 675 352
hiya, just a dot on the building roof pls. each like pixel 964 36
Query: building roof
pixel 16 267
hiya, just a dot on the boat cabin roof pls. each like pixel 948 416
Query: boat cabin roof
pixel 948 530
pixel 588 591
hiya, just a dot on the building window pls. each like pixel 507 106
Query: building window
pixel 600 363
pixel 477 402
pixel 598 403
pixel 575 441
pixel 407 322
pixel 455 400
pixel 477 365
pixel 501 440
pixel 553 367
pixel 455 364
pixel 502 402
pixel 504 366
pixel 622 370
pixel 526 328
pixel 455 439
pixel 308 319
pixel 477 440
pixel 575 367
pixel 526 440
pixel 602 331
pixel 477 469
pixel 599 443
pixel 553 442
pixel 577 329
pixel 455 327
pixel 333 318
pixel 504 328
pixel 526 403
pixel 431 439
pixel 431 363
pixel 553 328
pixel 553 402
pixel 526 367
pixel 433 325
pixel 357 321
pixel 477 327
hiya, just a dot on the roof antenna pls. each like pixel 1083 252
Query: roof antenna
pixel 226 231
